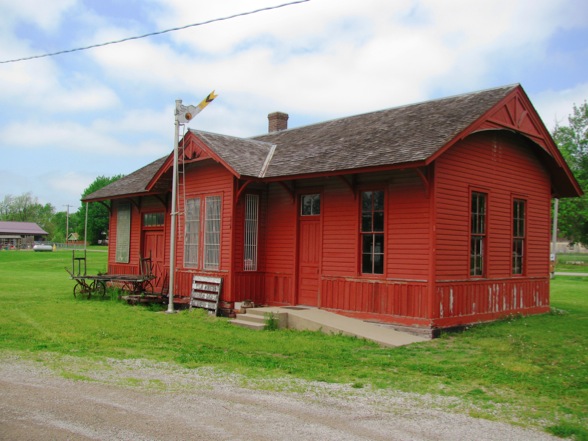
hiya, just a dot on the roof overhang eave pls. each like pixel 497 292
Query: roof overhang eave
pixel 329 173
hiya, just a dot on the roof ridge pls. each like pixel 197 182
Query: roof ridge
pixel 417 103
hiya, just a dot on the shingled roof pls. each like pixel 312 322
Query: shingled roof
pixel 409 135
pixel 395 136
pixel 130 185
pixel 248 157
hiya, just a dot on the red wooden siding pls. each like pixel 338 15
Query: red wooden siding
pixel 380 300
pixel 280 245
pixel 491 163
pixel 340 214
pixel 408 227
pixel 249 285
pixel 204 179
pixel 475 301
pixel 132 267
pixel 495 163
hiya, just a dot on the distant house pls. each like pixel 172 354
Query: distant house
pixel 431 215
pixel 20 234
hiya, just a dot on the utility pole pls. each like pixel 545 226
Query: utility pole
pixel 67 225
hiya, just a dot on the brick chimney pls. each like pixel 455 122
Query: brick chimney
pixel 277 121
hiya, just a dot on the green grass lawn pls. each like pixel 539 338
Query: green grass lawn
pixel 530 371
pixel 574 263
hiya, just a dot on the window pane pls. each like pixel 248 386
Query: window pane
pixel 379 243
pixel 368 243
pixel 366 264
pixel 366 222
pixel 310 205
pixel 212 228
pixel 192 232
pixel 378 264
pixel 378 200
pixel 372 221
pixel 378 221
pixel 476 258
pixel 518 244
pixel 366 201
pixel 153 219
pixel 517 256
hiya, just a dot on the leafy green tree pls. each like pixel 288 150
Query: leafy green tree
pixel 98 215
pixel 26 208
pixel 573 143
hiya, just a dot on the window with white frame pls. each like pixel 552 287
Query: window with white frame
pixel 251 229
pixel 212 227
pixel 192 233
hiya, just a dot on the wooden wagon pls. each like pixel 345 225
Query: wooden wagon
pixel 89 285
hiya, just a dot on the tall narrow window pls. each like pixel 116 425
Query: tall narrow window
pixel 372 232
pixel 251 228
pixel 518 236
pixel 212 227
pixel 192 233
pixel 478 234
pixel 123 233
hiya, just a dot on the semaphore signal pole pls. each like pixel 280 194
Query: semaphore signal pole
pixel 183 115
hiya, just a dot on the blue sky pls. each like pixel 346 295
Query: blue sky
pixel 67 119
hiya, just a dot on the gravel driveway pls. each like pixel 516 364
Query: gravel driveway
pixel 140 400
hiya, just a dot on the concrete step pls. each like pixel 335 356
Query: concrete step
pixel 255 318
pixel 249 324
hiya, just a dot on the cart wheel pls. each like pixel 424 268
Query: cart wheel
pixel 148 287
pixel 78 289
pixel 98 288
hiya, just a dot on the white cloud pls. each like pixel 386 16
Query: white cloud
pixel 555 106
pixel 45 14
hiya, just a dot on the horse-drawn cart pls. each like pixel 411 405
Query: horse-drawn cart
pixel 90 285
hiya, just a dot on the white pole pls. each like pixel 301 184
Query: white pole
pixel 86 230
pixel 172 247
pixel 554 237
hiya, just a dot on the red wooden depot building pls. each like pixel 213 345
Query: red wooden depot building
pixel 432 215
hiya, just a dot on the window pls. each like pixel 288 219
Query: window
pixel 518 236
pixel 310 205
pixel 192 233
pixel 123 233
pixel 478 234
pixel 153 219
pixel 251 222
pixel 372 232
pixel 212 226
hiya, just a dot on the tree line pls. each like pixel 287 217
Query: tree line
pixel 572 140
pixel 27 208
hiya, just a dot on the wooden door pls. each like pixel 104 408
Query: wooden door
pixel 153 245
pixel 309 250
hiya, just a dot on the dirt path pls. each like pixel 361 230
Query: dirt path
pixel 136 400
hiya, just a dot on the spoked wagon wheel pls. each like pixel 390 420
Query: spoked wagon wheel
pixel 98 288
pixel 148 287
pixel 78 289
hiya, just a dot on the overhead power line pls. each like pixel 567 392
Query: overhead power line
pixel 151 34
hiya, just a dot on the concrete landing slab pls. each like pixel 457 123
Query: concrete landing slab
pixel 315 319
